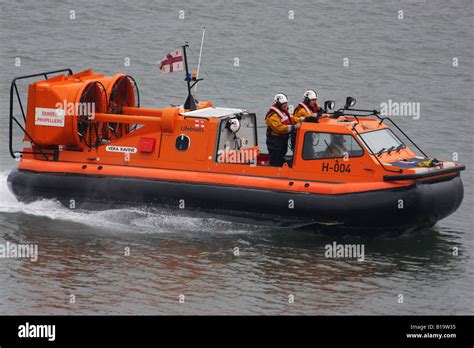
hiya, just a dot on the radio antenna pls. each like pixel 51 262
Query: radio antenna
pixel 200 54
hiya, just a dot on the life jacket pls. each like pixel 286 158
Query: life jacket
pixel 284 115
pixel 307 108
pixel 432 162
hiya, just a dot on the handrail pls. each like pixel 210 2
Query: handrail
pixel 14 87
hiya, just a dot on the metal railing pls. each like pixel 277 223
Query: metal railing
pixel 13 119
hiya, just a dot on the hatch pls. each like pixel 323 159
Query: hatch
pixel 213 112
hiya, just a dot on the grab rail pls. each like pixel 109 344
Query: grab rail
pixel 12 118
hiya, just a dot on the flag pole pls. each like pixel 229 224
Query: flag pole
pixel 190 103
pixel 200 54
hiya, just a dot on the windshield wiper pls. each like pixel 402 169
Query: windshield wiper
pixel 399 147
pixel 381 151
pixel 390 149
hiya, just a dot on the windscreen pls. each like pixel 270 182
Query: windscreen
pixel 381 140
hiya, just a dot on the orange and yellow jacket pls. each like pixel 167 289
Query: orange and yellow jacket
pixel 278 121
pixel 302 111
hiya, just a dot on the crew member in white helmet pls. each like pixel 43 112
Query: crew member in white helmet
pixel 279 126
pixel 308 107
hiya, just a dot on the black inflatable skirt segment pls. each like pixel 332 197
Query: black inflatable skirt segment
pixel 416 206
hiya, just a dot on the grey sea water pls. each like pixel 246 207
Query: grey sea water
pixel 82 253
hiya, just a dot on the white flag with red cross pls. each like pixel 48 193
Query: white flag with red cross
pixel 173 61
pixel 199 124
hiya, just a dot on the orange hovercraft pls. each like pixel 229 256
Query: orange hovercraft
pixel 92 143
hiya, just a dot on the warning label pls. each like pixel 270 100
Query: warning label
pixel 49 117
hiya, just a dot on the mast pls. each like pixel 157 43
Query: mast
pixel 190 102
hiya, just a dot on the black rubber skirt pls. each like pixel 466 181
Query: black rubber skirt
pixel 416 206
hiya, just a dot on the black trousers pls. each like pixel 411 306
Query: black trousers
pixel 277 147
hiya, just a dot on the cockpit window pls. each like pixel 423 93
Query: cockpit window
pixel 382 140
pixel 330 145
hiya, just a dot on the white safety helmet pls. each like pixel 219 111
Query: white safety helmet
pixel 310 94
pixel 280 98
pixel 234 125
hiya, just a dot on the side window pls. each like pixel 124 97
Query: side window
pixel 330 145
